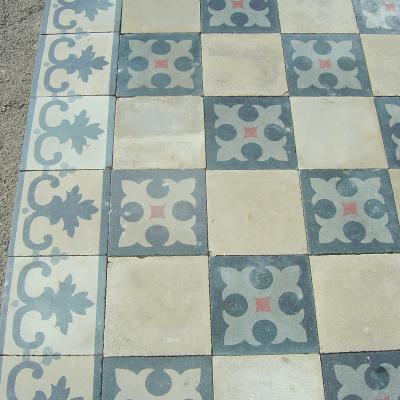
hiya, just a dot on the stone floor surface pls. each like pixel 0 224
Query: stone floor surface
pixel 207 204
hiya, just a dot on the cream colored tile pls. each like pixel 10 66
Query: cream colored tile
pixel 241 65
pixel 317 16
pixel 289 377
pixel 381 53
pixel 157 306
pixel 395 178
pixel 152 16
pixel 357 302
pixel 337 132
pixel 159 132
pixel 255 212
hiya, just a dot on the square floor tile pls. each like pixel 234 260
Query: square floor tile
pixel 289 377
pixel 150 16
pixel 337 132
pixel 159 65
pixel 317 16
pixel 54 305
pixel 362 376
pixel 50 378
pixel 62 16
pixel 385 77
pixel 325 65
pixel 249 133
pixel 158 213
pixel 388 109
pixel 395 179
pixel 239 16
pixel 356 301
pixel 255 212
pixel 159 132
pixel 81 64
pixel 160 305
pixel 60 213
pixel 243 65
pixel 177 378
pixel 262 305
pixel 378 16
pixel 350 211
pixel 69 133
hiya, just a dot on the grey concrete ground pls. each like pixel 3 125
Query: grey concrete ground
pixel 19 34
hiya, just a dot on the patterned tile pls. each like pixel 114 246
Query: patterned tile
pixel 159 65
pixel 55 306
pixel 165 378
pixel 61 213
pixel 239 16
pixel 350 211
pixel 50 378
pixel 69 133
pixel 158 213
pixel 78 16
pixel 249 133
pixel 378 16
pixel 367 376
pixel 262 305
pixel 325 65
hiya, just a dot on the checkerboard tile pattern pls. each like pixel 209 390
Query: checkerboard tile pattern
pixel 207 205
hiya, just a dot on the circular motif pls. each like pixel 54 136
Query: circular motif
pixel 157 235
pixel 346 63
pixel 258 5
pixel 377 377
pixel 354 231
pixel 346 187
pixel 325 208
pixel 290 303
pixel 248 113
pixel 322 47
pixel 158 383
pixel 161 80
pixel 371 6
pixel 160 47
pixel 183 64
pixel 183 210
pixel 328 80
pixel 274 132
pixel 303 63
pixel 235 305
pixel 252 151
pixel 132 211
pixel 216 4
pixel 374 208
pixel 138 63
pixel 264 331
pixel 393 21
pixel 260 277
pixel 226 132
pixel 157 188
pixel 239 19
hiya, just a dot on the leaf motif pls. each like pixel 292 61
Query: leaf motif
pixel 60 390
pixel 91 7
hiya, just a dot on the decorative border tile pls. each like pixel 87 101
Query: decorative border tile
pixel 161 377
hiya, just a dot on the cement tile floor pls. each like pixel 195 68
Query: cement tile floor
pixel 206 207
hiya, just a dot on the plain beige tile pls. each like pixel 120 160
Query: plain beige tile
pixel 275 377
pixel 243 65
pixel 395 178
pixel 382 56
pixel 337 132
pixel 255 212
pixel 317 16
pixel 357 302
pixel 153 16
pixel 159 132
pixel 157 306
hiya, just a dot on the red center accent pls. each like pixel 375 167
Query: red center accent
pixel 161 64
pixel 324 64
pixel 263 304
pixel 157 211
pixel 237 4
pixel 383 398
pixel 250 132
pixel 350 208
pixel 390 7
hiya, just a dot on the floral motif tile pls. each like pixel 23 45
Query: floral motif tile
pixel 60 213
pixel 158 213
pixel 262 305
pixel 159 65
pixel 80 64
pixel 166 378
pixel 69 133
pixel 325 65
pixel 77 16
pixel 378 16
pixel 239 16
pixel 249 133
pixel 54 305
pixel 49 378
pixel 350 211
pixel 366 376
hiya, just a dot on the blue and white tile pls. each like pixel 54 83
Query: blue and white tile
pixel 76 16
pixel 54 305
pixel 69 133
pixel 249 133
pixel 350 211
pixel 76 64
pixel 158 213
pixel 159 65
pixel 48 378
pixel 166 378
pixel 326 65
pixel 60 213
